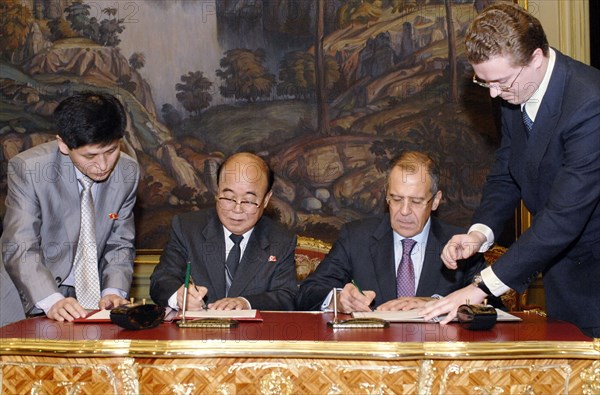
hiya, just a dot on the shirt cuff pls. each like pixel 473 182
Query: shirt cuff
pixel 114 291
pixel 327 301
pixel 172 302
pixel 487 232
pixel 49 301
pixel 247 301
pixel 493 283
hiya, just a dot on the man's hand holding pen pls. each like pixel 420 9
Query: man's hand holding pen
pixel 195 297
pixel 352 299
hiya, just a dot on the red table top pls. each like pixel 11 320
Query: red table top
pixel 300 326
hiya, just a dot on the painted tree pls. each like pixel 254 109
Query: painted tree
pixel 110 29
pixel 244 75
pixel 137 60
pixel 60 28
pixel 297 74
pixel 14 28
pixel 321 88
pixel 451 52
pixel 170 115
pixel 78 15
pixel 106 32
pixel 193 93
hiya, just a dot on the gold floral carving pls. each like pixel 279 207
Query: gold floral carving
pixel 129 373
pixel 334 389
pixel 276 383
pixel 591 379
pixel 426 377
pixel 226 389
pixel 183 389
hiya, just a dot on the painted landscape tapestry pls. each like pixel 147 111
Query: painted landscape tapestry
pixel 327 91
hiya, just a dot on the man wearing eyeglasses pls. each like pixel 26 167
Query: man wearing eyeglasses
pixel 238 258
pixel 549 157
pixel 392 262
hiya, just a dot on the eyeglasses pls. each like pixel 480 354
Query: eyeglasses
pixel 488 85
pixel 246 206
pixel 417 203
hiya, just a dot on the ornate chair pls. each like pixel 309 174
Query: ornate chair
pixel 512 299
pixel 309 253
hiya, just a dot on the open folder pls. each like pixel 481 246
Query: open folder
pixel 413 316
pixel 239 315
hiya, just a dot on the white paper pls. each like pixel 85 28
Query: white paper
pixel 100 315
pixel 413 316
pixel 221 314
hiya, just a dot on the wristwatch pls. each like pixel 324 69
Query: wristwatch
pixel 478 282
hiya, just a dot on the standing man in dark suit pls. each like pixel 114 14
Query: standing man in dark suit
pixel 374 252
pixel 263 274
pixel 550 157
pixel 42 248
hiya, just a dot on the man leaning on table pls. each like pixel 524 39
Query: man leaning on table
pixel 68 234
pixel 239 258
pixel 393 258
pixel 549 156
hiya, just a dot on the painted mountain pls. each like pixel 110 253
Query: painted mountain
pixel 327 91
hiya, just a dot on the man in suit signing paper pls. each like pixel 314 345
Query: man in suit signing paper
pixel 68 234
pixel 239 259
pixel 394 258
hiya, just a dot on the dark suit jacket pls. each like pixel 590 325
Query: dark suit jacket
pixel 365 252
pixel 266 275
pixel 557 174
pixel 41 227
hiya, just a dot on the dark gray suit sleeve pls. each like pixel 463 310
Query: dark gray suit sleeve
pixel 333 272
pixel 169 274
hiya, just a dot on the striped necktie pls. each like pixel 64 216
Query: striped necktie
pixel 233 259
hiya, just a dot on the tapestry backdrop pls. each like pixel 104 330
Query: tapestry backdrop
pixel 327 91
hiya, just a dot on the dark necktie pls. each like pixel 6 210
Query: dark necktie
pixel 87 281
pixel 405 278
pixel 528 122
pixel 233 259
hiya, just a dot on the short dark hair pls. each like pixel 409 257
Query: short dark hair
pixel 505 29
pixel 90 118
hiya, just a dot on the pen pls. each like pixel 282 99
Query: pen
pixel 357 287
pixel 193 283
pixel 362 293
pixel 186 285
pixel 197 290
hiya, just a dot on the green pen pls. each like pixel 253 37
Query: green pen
pixel 357 287
pixel 186 286
pixel 362 293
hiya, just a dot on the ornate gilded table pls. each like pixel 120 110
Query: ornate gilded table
pixel 296 353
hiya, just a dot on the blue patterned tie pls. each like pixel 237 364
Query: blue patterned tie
pixel 232 261
pixel 528 122
pixel 405 278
